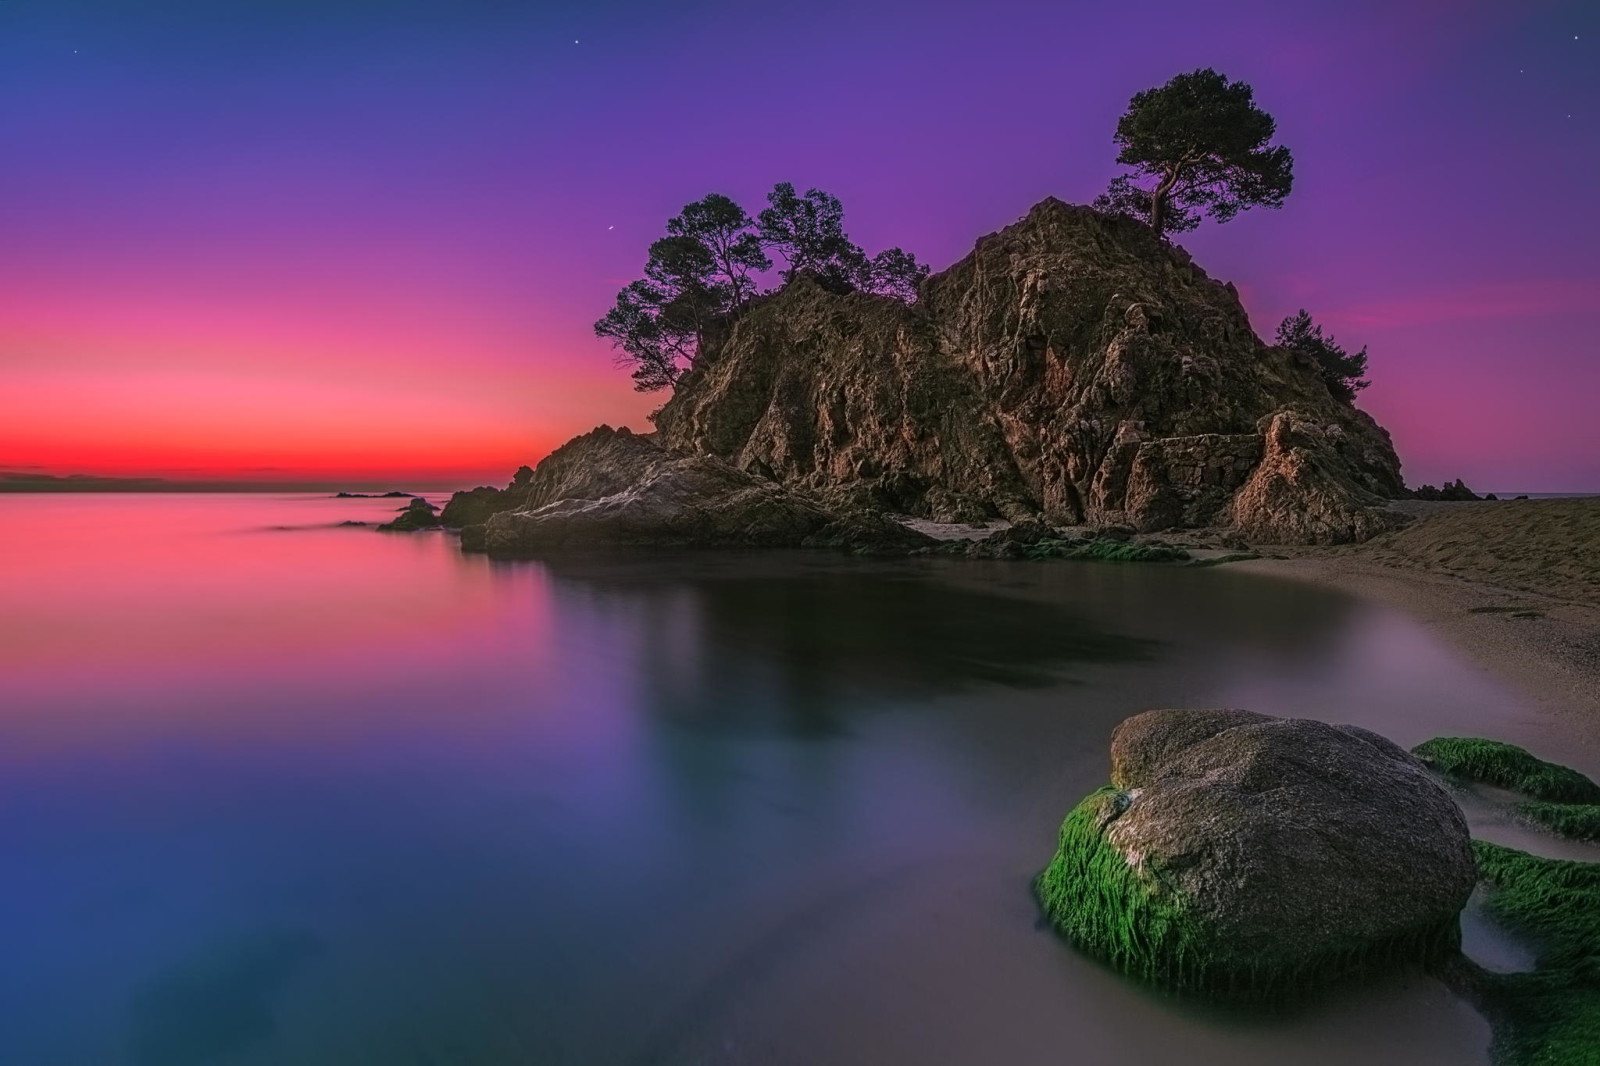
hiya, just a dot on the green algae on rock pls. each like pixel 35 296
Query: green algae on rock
pixel 1184 874
pixel 1551 1015
pixel 1493 762
pixel 1105 550
pixel 1576 821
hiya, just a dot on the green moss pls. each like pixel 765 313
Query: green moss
pixel 1142 927
pixel 1506 766
pixel 1579 821
pixel 1551 1015
pixel 1105 550
pixel 1096 900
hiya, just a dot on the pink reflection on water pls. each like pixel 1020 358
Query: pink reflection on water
pixel 213 596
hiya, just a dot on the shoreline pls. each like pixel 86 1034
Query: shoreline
pixel 1547 648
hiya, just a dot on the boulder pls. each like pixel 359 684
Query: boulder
pixel 1239 855
pixel 612 488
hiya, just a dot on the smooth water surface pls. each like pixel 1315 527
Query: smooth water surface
pixel 274 791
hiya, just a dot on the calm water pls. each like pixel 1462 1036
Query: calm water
pixel 276 792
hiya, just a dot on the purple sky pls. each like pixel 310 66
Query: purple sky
pixel 359 237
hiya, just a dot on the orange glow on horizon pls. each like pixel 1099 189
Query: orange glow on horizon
pixel 247 394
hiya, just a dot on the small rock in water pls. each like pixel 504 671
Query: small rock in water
pixel 418 514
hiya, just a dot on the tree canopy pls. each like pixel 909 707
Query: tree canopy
pixel 893 272
pixel 723 229
pixel 1342 371
pixel 1198 146
pixel 708 267
pixel 808 231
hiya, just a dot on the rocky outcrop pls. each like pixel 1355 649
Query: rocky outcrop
pixel 474 506
pixel 1073 368
pixel 1453 492
pixel 612 488
pixel 1238 854
pixel 1305 490
pixel 418 514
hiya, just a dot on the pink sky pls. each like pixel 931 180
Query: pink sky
pixel 367 241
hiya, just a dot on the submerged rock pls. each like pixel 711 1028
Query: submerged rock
pixel 1073 368
pixel 612 488
pixel 1240 855
pixel 418 514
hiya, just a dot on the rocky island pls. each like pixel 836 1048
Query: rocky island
pixel 1073 369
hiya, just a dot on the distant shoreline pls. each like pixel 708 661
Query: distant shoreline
pixel 141 486
pixel 15 482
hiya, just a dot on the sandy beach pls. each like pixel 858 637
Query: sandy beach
pixel 1514 584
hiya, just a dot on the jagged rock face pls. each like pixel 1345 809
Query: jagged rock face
pixel 851 396
pixel 1072 367
pixel 1306 490
pixel 610 488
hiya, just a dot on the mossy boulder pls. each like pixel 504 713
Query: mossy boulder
pixel 1238 855
pixel 1494 762
pixel 1550 1015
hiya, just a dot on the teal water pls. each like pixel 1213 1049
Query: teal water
pixel 278 792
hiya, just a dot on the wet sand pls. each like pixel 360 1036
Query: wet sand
pixel 1515 585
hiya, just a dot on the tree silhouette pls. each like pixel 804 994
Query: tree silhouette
pixel 657 324
pixel 725 231
pixel 893 272
pixel 808 231
pixel 704 272
pixel 1342 371
pixel 1198 147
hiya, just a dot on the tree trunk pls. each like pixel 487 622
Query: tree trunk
pixel 1158 199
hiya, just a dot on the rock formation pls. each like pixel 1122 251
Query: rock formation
pixel 418 514
pixel 1241 855
pixel 613 488
pixel 1453 491
pixel 1072 367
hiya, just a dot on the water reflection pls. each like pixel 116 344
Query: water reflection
pixel 690 809
pixel 218 1005
pixel 750 645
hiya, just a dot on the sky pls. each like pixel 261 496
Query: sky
pixel 363 241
